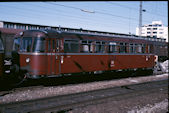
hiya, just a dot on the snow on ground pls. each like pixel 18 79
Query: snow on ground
pixel 151 108
pixel 164 66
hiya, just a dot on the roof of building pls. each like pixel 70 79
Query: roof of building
pixel 10 31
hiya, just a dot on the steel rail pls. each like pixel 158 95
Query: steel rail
pixel 68 102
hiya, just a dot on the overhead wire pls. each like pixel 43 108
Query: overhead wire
pixel 132 8
pixel 84 18
pixel 20 14
pixel 99 12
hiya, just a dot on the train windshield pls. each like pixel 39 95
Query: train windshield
pixel 1 45
pixel 29 44
pixel 26 44
pixel 39 45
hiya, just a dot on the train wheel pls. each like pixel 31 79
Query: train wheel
pixel 142 72
pixel 12 80
pixel 17 76
pixel 9 81
pixel 18 79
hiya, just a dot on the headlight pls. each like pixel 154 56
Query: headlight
pixel 27 60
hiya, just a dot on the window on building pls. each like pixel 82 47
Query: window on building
pixel 148 32
pixel 154 28
pixel 8 25
pixel 41 27
pixel 154 36
pixel 155 25
pixel 148 28
pixel 18 26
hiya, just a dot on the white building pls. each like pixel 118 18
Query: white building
pixel 156 30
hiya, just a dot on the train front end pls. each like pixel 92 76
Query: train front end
pixel 29 57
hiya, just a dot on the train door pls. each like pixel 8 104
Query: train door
pixel 53 57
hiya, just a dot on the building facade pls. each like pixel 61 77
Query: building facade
pixel 156 30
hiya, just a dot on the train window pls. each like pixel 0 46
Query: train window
pixel 112 47
pixel 151 48
pixel 131 48
pixel 143 48
pixel 66 47
pixel 123 48
pixel 16 44
pixel 1 45
pixel 57 45
pixel 135 48
pixel 26 44
pixel 87 46
pixel 84 42
pixel 49 48
pixel 54 45
pixel 100 47
pixel 39 45
pixel 71 46
pixel 139 48
pixel 148 48
pixel 74 47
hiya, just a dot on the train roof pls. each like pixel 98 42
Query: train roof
pixel 52 32
pixel 105 34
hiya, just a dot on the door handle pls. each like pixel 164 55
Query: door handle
pixel 62 59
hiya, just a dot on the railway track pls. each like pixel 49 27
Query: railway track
pixel 64 103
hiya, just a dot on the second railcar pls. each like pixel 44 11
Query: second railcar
pixel 1 58
pixel 42 53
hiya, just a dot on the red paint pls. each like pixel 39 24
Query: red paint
pixel 49 65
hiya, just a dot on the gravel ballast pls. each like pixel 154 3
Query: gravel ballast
pixel 29 93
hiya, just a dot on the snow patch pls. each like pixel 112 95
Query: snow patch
pixel 135 81
pixel 151 108
pixel 164 66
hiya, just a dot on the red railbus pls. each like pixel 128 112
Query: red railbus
pixel 45 53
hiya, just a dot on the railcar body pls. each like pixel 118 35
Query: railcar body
pixel 1 58
pixel 42 53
